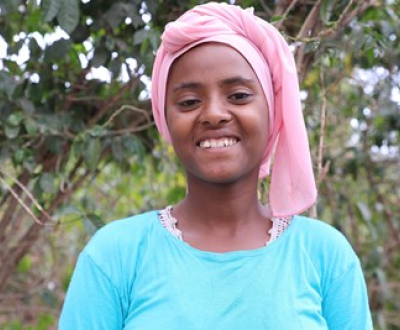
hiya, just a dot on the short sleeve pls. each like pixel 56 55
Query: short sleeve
pixel 92 301
pixel 345 305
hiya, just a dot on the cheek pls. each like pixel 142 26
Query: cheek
pixel 258 123
pixel 175 125
pixel 180 130
pixel 259 132
pixel 179 123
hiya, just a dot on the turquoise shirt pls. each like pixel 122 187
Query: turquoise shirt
pixel 134 274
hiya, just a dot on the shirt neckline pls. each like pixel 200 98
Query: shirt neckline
pixel 225 256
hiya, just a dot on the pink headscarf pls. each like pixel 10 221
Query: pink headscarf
pixel 292 188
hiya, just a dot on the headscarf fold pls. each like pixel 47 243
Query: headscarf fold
pixel 292 185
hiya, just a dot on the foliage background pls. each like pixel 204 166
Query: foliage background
pixel 78 147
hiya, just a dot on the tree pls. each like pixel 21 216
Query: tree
pixel 63 130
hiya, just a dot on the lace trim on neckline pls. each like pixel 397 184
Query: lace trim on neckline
pixel 279 225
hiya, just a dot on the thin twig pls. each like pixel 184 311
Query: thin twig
pixel 278 24
pixel 322 131
pixel 265 7
pixel 21 202
pixel 135 129
pixel 32 198
pixel 89 98
pixel 111 102
pixel 28 193
pixel 339 21
pixel 309 20
pixel 321 169
pixel 127 107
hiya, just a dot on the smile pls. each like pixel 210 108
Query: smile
pixel 218 143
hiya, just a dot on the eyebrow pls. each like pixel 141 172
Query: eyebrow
pixel 237 80
pixel 225 82
pixel 188 85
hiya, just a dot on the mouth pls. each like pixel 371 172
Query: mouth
pixel 223 142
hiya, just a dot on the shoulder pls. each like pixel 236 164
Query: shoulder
pixel 123 230
pixel 319 232
pixel 327 248
pixel 121 241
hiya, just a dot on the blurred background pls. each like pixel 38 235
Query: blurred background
pixel 78 147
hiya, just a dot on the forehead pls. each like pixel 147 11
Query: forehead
pixel 210 60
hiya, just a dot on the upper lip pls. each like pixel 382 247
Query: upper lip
pixel 217 134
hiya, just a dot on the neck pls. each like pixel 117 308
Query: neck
pixel 220 206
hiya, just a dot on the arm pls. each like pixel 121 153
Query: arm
pixel 92 300
pixel 345 305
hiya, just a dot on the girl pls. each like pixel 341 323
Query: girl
pixel 225 94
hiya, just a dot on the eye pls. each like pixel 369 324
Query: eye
pixel 188 103
pixel 240 96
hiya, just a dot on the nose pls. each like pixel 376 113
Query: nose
pixel 215 113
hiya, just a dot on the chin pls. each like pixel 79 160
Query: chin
pixel 222 177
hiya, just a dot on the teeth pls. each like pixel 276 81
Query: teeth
pixel 218 143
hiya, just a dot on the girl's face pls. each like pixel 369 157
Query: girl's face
pixel 217 114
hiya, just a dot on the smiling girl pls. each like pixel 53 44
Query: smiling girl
pixel 225 94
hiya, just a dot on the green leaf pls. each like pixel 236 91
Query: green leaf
pixel 12 131
pixel 34 49
pixel 365 211
pixel 115 14
pixel 117 148
pixel 326 10
pixel 67 210
pixel 155 39
pixel 133 145
pixel 57 50
pixel 115 67
pixel 13 67
pixel 29 163
pixel 7 84
pixel 97 131
pixel 35 92
pixel 15 119
pixel 80 34
pixel 15 48
pixel 276 18
pixel 25 264
pixel 100 57
pixel 77 148
pixel 68 15
pixel 92 223
pixel 175 194
pixel 119 11
pixel 4 154
pixel 50 9
pixel 27 105
pixel 92 153
pixel 140 36
pixel 144 46
pixel 383 282
pixel 95 220
pixel 19 156
pixel 55 144
pixel 47 183
pixel 8 6
pixel 152 5
pixel 34 20
pixel 46 321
